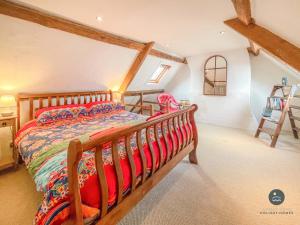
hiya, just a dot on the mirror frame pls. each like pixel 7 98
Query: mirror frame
pixel 215 68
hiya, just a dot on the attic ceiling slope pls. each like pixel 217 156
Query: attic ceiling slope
pixel 22 11
pixel 269 41
pixel 180 27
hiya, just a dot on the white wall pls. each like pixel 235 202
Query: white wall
pixel 267 72
pixel 232 110
pixel 34 58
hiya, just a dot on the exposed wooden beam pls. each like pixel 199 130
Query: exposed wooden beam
pixel 243 10
pixel 254 48
pixel 44 18
pixel 138 62
pixel 277 46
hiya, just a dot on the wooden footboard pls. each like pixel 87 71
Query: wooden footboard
pixel 124 204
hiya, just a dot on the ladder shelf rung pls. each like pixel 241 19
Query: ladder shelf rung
pixel 280 97
pixel 295 107
pixel 282 86
pixel 268 131
pixel 270 119
pixel 295 118
pixel 297 129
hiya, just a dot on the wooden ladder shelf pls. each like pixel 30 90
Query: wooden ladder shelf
pixel 288 93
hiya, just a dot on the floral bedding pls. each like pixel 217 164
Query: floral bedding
pixel 43 147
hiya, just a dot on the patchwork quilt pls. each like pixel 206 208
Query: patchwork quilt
pixel 43 147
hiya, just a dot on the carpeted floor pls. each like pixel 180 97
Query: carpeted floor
pixel 230 186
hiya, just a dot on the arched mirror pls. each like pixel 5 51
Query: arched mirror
pixel 215 76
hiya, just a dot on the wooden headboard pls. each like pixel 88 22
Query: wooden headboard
pixel 37 101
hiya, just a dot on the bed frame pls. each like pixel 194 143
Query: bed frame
pixel 123 203
pixel 37 101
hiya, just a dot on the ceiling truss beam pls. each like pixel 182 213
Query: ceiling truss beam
pixel 254 49
pixel 28 13
pixel 134 69
pixel 272 43
pixel 243 10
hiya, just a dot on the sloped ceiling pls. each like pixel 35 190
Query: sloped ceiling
pixel 279 16
pixel 184 27
pixel 35 58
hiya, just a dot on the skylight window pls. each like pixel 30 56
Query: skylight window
pixel 159 73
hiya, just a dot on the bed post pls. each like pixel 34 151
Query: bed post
pixel 18 114
pixel 74 155
pixel 111 95
pixel 193 154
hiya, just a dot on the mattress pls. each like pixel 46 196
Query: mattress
pixel 44 151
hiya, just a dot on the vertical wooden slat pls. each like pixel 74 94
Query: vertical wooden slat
pixel 57 101
pixel 181 132
pixel 131 162
pixel 183 129
pixel 177 135
pixel 74 155
pixel 190 126
pixel 156 127
pixel 186 115
pixel 165 135
pixel 117 165
pixel 150 145
pixel 18 113
pixel 49 101
pixel 142 102
pixel 142 154
pixel 170 123
pixel 31 108
pixel 187 132
pixel 72 100
pixel 193 154
pixel 102 181
pixel 151 109
pixel 111 95
pixel 40 103
pixel 65 100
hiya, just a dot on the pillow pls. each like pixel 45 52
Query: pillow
pixel 56 113
pixel 95 108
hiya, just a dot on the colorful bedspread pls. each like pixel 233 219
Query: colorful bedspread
pixel 44 151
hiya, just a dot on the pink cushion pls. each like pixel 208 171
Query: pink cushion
pixel 165 100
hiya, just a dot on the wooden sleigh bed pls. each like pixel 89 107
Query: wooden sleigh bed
pixel 177 128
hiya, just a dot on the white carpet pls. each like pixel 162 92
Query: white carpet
pixel 230 186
